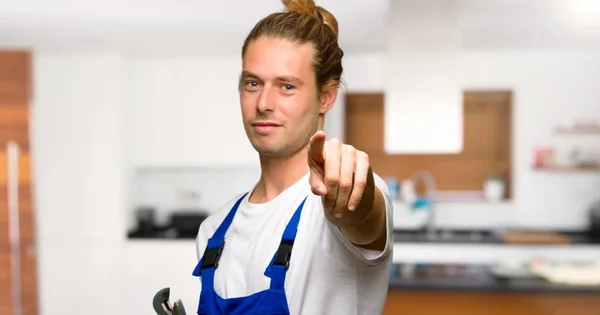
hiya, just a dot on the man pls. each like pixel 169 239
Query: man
pixel 314 234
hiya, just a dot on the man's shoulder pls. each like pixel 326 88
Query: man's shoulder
pixel 212 222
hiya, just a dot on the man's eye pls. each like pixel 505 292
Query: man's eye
pixel 288 87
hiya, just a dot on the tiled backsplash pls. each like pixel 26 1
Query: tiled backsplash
pixel 167 189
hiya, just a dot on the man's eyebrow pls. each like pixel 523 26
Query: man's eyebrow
pixel 292 79
pixel 248 74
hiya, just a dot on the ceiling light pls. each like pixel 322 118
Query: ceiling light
pixel 587 11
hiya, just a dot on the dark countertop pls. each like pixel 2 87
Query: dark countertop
pixel 476 278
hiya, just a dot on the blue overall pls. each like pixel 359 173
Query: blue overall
pixel 272 301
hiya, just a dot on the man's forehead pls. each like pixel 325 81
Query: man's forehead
pixel 272 44
pixel 277 57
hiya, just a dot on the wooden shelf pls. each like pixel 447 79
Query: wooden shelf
pixel 566 169
pixel 578 131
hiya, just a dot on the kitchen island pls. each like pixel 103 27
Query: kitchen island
pixel 473 289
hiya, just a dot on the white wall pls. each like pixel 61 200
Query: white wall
pixel 185 112
pixel 83 111
pixel 80 184
pixel 81 156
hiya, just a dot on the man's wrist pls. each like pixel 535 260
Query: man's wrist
pixel 351 218
pixel 370 231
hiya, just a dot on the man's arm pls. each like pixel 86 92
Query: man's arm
pixel 366 225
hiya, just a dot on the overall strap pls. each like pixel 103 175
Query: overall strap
pixel 281 261
pixel 212 254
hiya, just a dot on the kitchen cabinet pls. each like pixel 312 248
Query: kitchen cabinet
pixel 18 278
pixel 423 93
pixel 186 112
pixel 490 303
pixel 487 136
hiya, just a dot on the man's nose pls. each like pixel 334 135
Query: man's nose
pixel 266 100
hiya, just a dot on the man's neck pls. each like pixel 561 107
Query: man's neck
pixel 278 174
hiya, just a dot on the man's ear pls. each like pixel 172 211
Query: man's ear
pixel 328 97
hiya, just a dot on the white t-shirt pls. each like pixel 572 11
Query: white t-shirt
pixel 328 275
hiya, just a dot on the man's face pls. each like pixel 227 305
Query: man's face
pixel 278 96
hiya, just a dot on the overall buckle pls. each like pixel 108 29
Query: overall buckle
pixel 212 256
pixel 284 254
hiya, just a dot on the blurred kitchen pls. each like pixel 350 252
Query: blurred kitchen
pixel 121 132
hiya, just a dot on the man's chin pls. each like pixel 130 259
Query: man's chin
pixel 264 147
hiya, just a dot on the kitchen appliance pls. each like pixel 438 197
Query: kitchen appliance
pixel 146 220
pixel 594 220
pixel 186 223
pixel 494 188
pixel 508 269
pixel 185 219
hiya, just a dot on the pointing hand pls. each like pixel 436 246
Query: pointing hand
pixel 338 172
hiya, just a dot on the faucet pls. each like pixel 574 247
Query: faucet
pixel 430 189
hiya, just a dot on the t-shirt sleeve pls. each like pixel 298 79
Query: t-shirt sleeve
pixel 372 257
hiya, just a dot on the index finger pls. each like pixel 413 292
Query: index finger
pixel 316 146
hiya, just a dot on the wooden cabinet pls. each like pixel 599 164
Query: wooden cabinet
pixel 487 135
pixel 18 278
pixel 490 303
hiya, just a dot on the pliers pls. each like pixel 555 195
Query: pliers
pixel 162 306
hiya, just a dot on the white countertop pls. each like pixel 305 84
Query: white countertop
pixel 490 253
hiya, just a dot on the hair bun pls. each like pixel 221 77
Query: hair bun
pixel 328 19
pixel 309 7
pixel 301 6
